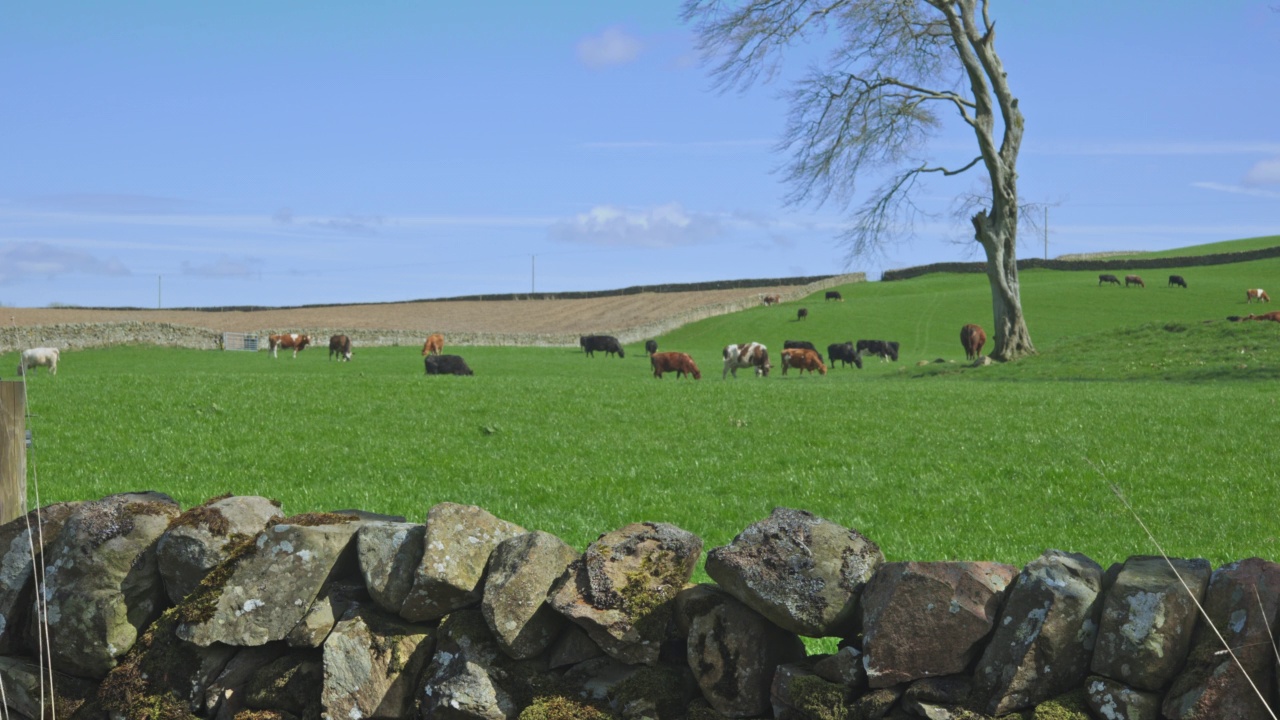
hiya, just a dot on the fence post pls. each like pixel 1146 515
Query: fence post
pixel 13 450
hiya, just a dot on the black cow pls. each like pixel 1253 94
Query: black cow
pixel 1176 280
pixel 606 344
pixel 885 349
pixel 651 346
pixel 447 365
pixel 802 313
pixel 1108 279
pixel 798 345
pixel 845 353
pixel 834 295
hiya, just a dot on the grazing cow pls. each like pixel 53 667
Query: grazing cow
pixel 972 337
pixel 771 300
pixel 1133 280
pixel 802 313
pixel 845 353
pixel 1176 280
pixel 802 359
pixel 1256 294
pixel 288 341
pixel 798 345
pixel 606 344
pixel 446 365
pixel 434 345
pixel 752 355
pixel 39 357
pixel 651 346
pixel 886 349
pixel 1108 279
pixel 676 362
pixel 340 345
pixel 834 295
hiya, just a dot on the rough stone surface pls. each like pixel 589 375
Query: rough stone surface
pixel 800 571
pixel 390 554
pixel 102 586
pixel 622 590
pixel 876 703
pixel 21 679
pixel 373 664
pixel 798 694
pixel 734 652
pixel 939 698
pixel 289 684
pixel 1241 600
pixel 458 542
pixel 464 679
pixel 521 572
pixel 1147 621
pixel 923 619
pixel 573 646
pixel 843 668
pixel 1113 700
pixel 320 619
pixel 272 586
pixel 224 697
pixel 19 539
pixel 1044 639
pixel 202 537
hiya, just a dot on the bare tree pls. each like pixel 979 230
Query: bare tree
pixel 874 103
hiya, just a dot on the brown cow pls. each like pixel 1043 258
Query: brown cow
pixel 1133 280
pixel 434 344
pixel 340 345
pixel 676 362
pixel 771 300
pixel 288 341
pixel 802 359
pixel 1256 294
pixel 1274 316
pixel 972 337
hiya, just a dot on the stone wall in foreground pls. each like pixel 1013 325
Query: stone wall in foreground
pixel 231 610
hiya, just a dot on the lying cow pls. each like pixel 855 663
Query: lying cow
pixel 1112 279
pixel 1272 316
pixel 1256 294
pixel 288 341
pixel 885 349
pixel 651 346
pixel 752 355
pixel 607 344
pixel 798 345
pixel 802 360
pixel 1176 280
pixel 39 357
pixel 340 345
pixel 676 362
pixel 446 365
pixel 1133 280
pixel 834 295
pixel 845 353
pixel 434 345
pixel 972 337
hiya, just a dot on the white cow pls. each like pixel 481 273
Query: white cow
pixel 752 355
pixel 37 357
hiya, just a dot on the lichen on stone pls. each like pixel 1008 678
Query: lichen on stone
pixel 316 519
pixel 816 699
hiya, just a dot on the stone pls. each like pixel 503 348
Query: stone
pixel 320 619
pixel 923 619
pixel 572 647
pixel 22 678
pixel 224 697
pixel 464 678
pixel 458 541
pixel 288 684
pixel 1113 700
pixel 1147 621
pixel 202 537
pixel 876 703
pixel 734 652
pixel 843 668
pixel 622 590
pixel 390 554
pixel 19 540
pixel 373 664
pixel 1044 640
pixel 796 693
pixel 939 698
pixel 521 572
pixel 800 571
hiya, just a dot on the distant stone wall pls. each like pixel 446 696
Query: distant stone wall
pixel 231 610
pixel 1090 264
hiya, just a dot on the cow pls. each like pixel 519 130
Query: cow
pixel 39 357
pixel 972 337
pixel 1108 279
pixel 288 341
pixel 434 345
pixel 834 295
pixel 651 346
pixel 798 345
pixel 752 355
pixel 886 349
pixel 1256 294
pixel 340 345
pixel 607 344
pixel 802 359
pixel 1133 280
pixel 771 300
pixel 802 313
pixel 1176 280
pixel 676 362
pixel 446 365
pixel 1273 316
pixel 845 353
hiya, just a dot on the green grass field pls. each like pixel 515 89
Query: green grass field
pixel 1150 390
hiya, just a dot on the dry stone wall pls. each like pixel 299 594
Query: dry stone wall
pixel 232 611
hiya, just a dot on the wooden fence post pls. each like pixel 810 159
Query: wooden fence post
pixel 13 450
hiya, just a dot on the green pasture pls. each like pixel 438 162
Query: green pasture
pixel 1148 390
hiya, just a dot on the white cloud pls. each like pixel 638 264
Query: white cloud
pixel 1238 190
pixel 657 227
pixel 613 46
pixel 21 261
pixel 1264 172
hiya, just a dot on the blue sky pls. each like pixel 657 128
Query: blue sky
pixel 284 153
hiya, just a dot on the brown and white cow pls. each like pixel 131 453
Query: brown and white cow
pixel 340 345
pixel 434 345
pixel 288 341
pixel 802 359
pixel 676 362
pixel 1256 294
pixel 752 355
pixel 972 337
pixel 771 300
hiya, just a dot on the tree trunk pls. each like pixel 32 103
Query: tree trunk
pixel 1012 339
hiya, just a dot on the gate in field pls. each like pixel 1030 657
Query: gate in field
pixel 239 341
pixel 13 450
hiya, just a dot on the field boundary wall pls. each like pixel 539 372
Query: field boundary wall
pixel 1090 264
